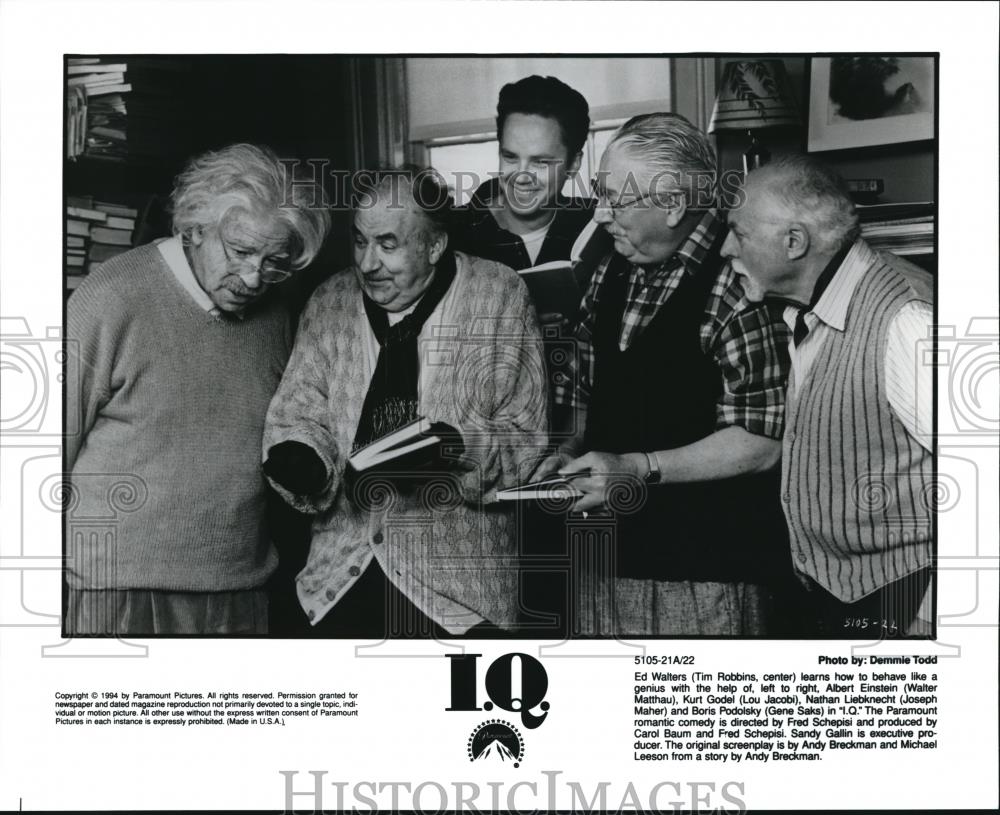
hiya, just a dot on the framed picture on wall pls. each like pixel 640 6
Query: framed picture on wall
pixel 861 101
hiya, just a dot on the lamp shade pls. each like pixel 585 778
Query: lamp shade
pixel 753 95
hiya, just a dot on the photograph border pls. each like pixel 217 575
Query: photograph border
pixel 523 634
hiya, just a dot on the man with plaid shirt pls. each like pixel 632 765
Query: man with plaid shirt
pixel 679 404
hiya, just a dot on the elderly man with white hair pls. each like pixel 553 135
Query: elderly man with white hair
pixel 679 399
pixel 857 458
pixel 180 351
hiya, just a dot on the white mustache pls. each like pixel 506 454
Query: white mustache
pixel 243 291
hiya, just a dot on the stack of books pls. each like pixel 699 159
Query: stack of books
pixel 96 108
pixel 903 229
pixel 95 232
pixel 141 119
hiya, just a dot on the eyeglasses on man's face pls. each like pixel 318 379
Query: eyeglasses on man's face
pixel 240 257
pixel 616 205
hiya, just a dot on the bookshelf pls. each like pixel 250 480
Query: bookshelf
pixel 904 229
pixel 124 141
pixel 177 106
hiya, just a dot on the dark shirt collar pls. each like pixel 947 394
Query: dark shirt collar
pixel 827 275
pixel 801 328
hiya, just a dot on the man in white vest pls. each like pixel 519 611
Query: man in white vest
pixel 857 453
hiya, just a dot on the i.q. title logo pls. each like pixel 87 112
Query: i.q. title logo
pixel 516 683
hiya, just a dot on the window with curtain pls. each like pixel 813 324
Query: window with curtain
pixel 452 107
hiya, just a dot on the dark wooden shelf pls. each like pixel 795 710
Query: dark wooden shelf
pixel 97 176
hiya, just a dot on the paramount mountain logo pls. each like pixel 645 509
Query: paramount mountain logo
pixel 516 683
pixel 496 740
pixel 496 748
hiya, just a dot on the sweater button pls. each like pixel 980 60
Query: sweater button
pixel 378 537
pixel 354 571
pixel 312 614
pixel 791 436
pixel 786 497
pixel 330 594
pixel 802 558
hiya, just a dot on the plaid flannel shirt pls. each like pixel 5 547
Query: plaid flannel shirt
pixel 748 341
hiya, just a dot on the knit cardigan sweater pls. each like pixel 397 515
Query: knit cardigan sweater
pixel 447 543
pixel 167 488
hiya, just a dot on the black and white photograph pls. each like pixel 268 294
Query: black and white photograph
pixel 499 406
pixel 620 378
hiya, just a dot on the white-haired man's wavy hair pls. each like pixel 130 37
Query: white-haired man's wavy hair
pixel 816 195
pixel 250 177
pixel 674 148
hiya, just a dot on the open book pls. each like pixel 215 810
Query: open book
pixel 553 288
pixel 393 446
pixel 557 287
pixel 550 488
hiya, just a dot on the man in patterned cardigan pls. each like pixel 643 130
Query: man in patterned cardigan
pixel 857 455
pixel 412 330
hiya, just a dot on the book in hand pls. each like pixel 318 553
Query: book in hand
pixel 413 445
pixel 554 488
pixel 553 288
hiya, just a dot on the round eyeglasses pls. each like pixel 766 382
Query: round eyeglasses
pixel 271 270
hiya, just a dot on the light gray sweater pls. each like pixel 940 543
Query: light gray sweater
pixel 167 488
